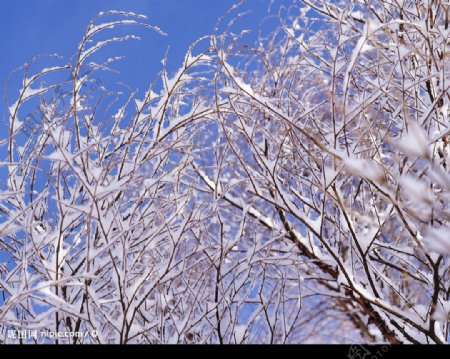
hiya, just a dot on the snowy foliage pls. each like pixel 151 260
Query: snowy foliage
pixel 267 192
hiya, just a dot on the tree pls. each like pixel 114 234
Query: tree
pixel 263 193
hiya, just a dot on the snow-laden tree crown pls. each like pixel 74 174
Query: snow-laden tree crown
pixel 288 185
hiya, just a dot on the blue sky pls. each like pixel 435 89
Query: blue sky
pixel 29 28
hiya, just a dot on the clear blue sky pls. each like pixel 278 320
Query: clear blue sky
pixel 33 27
pixel 29 28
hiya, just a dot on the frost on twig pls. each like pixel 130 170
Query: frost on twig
pixel 289 190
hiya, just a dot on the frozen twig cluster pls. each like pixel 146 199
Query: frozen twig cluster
pixel 261 194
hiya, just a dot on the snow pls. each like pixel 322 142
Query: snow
pixel 363 168
pixel 100 44
pixel 442 311
pixel 191 59
pixel 60 154
pixel 330 174
pixel 15 123
pixel 149 238
pixel 56 156
pixel 96 172
pixel 366 47
pixel 29 92
pixel 239 333
pixel 123 13
pixel 239 82
pixel 109 25
pixel 416 189
pixel 13 108
pixel 358 15
pixel 437 239
pixel 365 239
pixel 149 97
pixel 342 279
pixel 415 142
